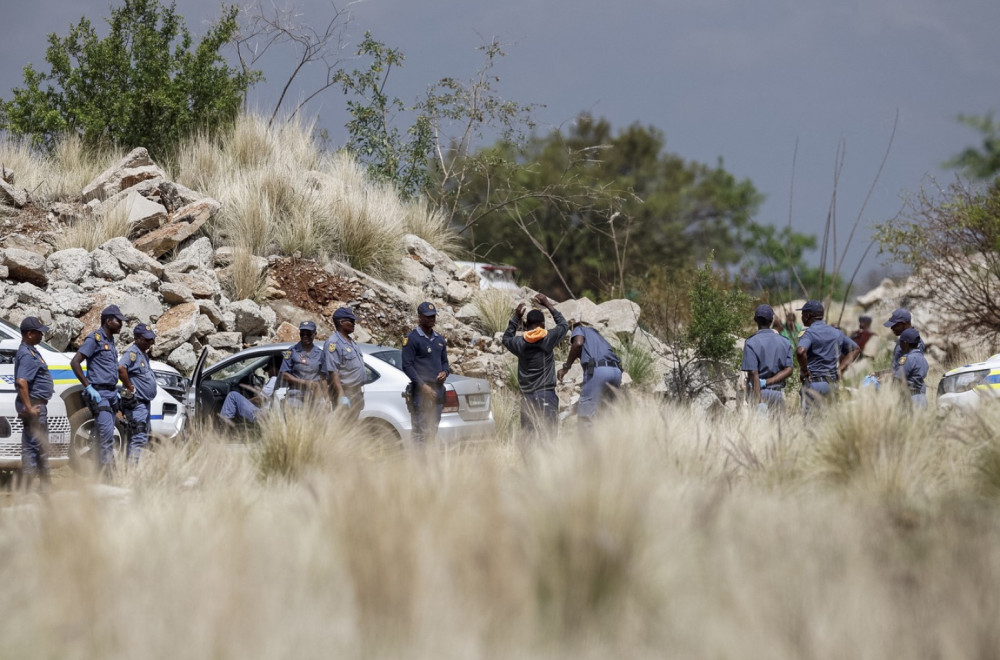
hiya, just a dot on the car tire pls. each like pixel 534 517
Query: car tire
pixel 80 424
pixel 382 433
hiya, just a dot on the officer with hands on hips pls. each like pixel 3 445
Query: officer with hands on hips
pixel 101 379
pixel 137 376
pixel 824 352
pixel 425 361
pixel 34 389
pixel 303 364
pixel 767 361
pixel 911 367
pixel 345 365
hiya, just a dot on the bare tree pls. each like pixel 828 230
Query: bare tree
pixel 316 46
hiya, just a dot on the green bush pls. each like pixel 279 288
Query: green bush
pixel 142 85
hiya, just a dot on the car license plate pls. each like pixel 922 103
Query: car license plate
pixel 476 400
pixel 59 438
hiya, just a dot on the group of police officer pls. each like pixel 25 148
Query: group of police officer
pixel 823 353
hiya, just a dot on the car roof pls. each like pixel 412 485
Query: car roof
pixel 992 362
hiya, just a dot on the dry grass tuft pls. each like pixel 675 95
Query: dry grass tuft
pixel 90 233
pixel 495 308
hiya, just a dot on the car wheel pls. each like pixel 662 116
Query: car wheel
pixel 81 423
pixel 382 433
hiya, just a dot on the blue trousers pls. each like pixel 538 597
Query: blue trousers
pixel 594 389
pixel 816 393
pixel 775 399
pixel 919 401
pixel 540 412
pixel 237 405
pixel 106 427
pixel 139 419
pixel 425 419
pixel 34 459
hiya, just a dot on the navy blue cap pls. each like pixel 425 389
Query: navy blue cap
pixel 33 323
pixel 764 312
pixel 143 330
pixel 898 316
pixel 112 310
pixel 344 313
pixel 427 309
pixel 910 336
pixel 814 306
pixel 307 325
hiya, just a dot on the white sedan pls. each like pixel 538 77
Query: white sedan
pixel 466 411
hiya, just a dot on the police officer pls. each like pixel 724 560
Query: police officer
pixel 425 361
pixel 823 353
pixel 344 365
pixel 137 376
pixel 237 405
pixel 34 389
pixel 767 360
pixel 602 370
pixel 303 364
pixel 100 381
pixel 898 323
pixel 911 367
pixel 536 373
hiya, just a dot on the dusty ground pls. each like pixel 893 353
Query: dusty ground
pixel 308 286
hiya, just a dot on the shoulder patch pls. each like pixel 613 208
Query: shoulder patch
pixel 902 360
pixel 97 336
pixel 405 339
pixel 132 356
pixel 287 355
pixel 801 332
pixel 333 347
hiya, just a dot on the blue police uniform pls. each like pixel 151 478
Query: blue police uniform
pixel 102 371
pixel 140 373
pixel 911 369
pixel 424 356
pixel 343 357
pixel 303 364
pixel 768 352
pixel 897 351
pixel 824 345
pixel 602 369
pixel 237 405
pixel 31 366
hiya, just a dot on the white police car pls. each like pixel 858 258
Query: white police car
pixel 69 418
pixel 969 384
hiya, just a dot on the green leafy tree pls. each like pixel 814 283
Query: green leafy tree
pixel 373 136
pixel 984 162
pixel 145 84
pixel 601 209
pixel 718 314
pixel 774 266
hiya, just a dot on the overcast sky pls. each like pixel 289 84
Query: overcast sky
pixel 742 81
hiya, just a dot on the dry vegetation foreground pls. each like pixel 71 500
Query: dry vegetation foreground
pixel 869 533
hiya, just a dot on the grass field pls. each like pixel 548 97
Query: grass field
pixel 868 532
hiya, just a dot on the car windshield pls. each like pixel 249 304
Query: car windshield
pixel 241 368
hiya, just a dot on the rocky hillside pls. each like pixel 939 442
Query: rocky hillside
pixel 170 274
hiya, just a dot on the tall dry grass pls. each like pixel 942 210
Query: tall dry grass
pixel 59 176
pixel 90 233
pixel 280 194
pixel 865 532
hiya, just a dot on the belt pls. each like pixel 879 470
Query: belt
pixel 823 379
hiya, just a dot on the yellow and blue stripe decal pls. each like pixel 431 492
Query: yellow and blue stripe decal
pixel 991 383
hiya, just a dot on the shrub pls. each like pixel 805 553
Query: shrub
pixel 142 85
pixel 90 233
pixel 637 361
